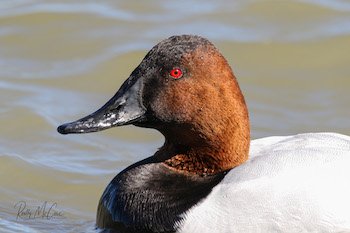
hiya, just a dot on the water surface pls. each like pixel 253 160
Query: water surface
pixel 61 60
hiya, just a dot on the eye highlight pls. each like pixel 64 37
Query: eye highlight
pixel 176 73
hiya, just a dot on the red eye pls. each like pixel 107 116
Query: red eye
pixel 176 73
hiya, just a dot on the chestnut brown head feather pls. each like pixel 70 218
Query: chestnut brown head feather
pixel 203 115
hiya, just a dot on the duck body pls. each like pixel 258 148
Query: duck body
pixel 296 183
pixel 208 176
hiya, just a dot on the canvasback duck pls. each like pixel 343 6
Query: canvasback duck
pixel 201 179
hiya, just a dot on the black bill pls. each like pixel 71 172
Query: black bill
pixel 124 108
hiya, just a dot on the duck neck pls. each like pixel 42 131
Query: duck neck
pixel 205 153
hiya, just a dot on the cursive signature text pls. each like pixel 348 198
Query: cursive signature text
pixel 45 210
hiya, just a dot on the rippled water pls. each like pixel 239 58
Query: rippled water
pixel 60 60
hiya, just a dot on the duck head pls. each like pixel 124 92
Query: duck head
pixel 185 89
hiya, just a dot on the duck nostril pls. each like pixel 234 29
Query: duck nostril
pixel 117 108
pixel 120 101
pixel 118 105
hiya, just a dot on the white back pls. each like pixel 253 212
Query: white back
pixel 297 183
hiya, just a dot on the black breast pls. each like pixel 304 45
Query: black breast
pixel 150 197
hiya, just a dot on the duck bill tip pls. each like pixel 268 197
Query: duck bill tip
pixel 62 129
